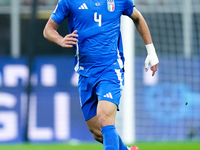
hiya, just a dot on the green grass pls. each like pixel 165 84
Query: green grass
pixel 92 146
pixel 170 146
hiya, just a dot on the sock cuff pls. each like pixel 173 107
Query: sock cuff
pixel 106 128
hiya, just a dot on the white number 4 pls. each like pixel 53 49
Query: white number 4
pixel 97 19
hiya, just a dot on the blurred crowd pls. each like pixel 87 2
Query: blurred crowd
pixel 29 2
pixel 143 2
pixel 163 2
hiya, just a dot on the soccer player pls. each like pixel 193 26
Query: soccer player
pixel 94 27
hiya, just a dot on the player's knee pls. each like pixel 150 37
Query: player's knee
pixel 106 113
pixel 102 120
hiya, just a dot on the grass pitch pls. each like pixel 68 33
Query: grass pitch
pixel 92 146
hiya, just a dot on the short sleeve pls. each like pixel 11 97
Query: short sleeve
pixel 128 7
pixel 61 11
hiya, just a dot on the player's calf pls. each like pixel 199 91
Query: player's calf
pixel 96 132
pixel 98 137
pixel 94 128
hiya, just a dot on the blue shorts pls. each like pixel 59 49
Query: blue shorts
pixel 106 86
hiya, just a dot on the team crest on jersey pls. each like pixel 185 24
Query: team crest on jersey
pixel 111 5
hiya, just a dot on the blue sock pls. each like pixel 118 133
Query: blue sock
pixel 122 146
pixel 110 138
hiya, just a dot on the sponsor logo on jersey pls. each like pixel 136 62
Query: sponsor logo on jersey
pixel 111 5
pixel 83 6
pixel 109 95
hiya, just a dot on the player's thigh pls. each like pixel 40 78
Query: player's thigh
pixel 88 98
pixel 110 84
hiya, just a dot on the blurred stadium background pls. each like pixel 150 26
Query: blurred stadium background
pixel 39 101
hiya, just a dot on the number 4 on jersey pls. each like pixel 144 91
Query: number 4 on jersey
pixel 98 19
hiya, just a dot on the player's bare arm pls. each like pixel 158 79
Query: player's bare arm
pixel 50 33
pixel 141 26
pixel 144 32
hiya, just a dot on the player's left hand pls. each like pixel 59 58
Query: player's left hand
pixel 153 60
pixel 154 69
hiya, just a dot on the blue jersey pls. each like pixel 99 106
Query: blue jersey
pixel 98 26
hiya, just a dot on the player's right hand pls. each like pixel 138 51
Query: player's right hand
pixel 69 40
